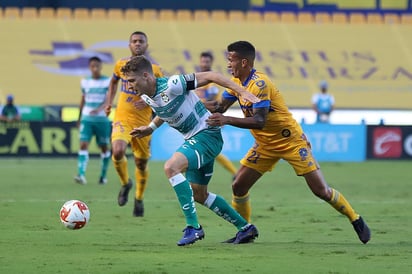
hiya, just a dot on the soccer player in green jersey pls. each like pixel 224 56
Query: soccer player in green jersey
pixel 174 101
pixel 93 120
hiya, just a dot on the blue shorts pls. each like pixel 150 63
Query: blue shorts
pixel 201 151
pixel 101 130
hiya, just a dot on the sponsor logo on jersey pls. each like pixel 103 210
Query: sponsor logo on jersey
pixel 387 142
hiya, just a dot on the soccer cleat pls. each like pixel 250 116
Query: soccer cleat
pixel 102 181
pixel 138 210
pixel 80 179
pixel 123 196
pixel 244 236
pixel 191 235
pixel 362 230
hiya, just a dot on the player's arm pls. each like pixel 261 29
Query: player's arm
pixel 144 131
pixel 257 121
pixel 204 78
pixel 81 105
pixel 111 93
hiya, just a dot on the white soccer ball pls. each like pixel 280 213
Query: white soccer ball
pixel 74 214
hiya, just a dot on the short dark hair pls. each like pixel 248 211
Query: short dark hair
pixel 138 33
pixel 94 58
pixel 244 49
pixel 207 54
pixel 137 64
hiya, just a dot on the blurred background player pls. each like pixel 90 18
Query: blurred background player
pixel 10 113
pixel 131 112
pixel 323 103
pixel 210 92
pixel 93 120
pixel 277 136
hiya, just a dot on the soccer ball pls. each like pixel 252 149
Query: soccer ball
pixel 74 214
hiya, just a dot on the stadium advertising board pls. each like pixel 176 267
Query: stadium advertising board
pixel 363 70
pixel 389 142
pixel 337 143
pixel 21 139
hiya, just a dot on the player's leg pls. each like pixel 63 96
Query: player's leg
pixel 141 152
pixel 320 188
pixel 226 163
pixel 120 139
pixel 102 132
pixel 303 162
pixel 174 168
pixel 245 178
pixel 85 132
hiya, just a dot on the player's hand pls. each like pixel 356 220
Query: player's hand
pixel 108 109
pixel 216 120
pixel 141 132
pixel 140 104
pixel 211 105
pixel 249 97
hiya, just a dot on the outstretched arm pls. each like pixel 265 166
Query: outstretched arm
pixel 204 78
pixel 111 93
pixel 144 131
pixel 257 121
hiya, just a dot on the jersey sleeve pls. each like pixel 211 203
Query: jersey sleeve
pixel 261 89
pixel 229 95
pixel 82 86
pixel 117 74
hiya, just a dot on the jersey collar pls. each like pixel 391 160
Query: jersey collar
pixel 249 77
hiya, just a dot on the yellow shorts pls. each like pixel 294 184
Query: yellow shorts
pixel 121 131
pixel 296 151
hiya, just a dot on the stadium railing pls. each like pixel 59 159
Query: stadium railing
pixel 288 17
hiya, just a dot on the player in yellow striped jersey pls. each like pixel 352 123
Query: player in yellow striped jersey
pixel 277 136
pixel 210 92
pixel 131 112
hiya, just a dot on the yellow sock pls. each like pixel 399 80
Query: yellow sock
pixel 339 203
pixel 121 169
pixel 226 163
pixel 141 182
pixel 242 205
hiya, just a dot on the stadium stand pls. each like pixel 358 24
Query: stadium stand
pixel 271 17
pixel 167 15
pixel 288 17
pixel 129 15
pixel 391 18
pixel 374 18
pixel 117 14
pixel 357 18
pixel 100 14
pixel 253 16
pixel 64 13
pixel 47 13
pixel 184 15
pixel 323 18
pixel 218 15
pixel 149 14
pixel 305 18
pixel 201 15
pixel 11 13
pixel 81 13
pixel 29 13
pixel 236 16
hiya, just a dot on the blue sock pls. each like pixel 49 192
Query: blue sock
pixel 184 194
pixel 219 206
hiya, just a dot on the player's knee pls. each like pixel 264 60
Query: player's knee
pixel 200 196
pixel 141 164
pixel 171 169
pixel 238 189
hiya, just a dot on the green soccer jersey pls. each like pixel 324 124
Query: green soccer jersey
pixel 94 91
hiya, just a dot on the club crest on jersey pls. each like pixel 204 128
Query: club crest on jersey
pixel 165 98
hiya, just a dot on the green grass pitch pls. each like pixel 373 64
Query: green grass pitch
pixel 298 232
